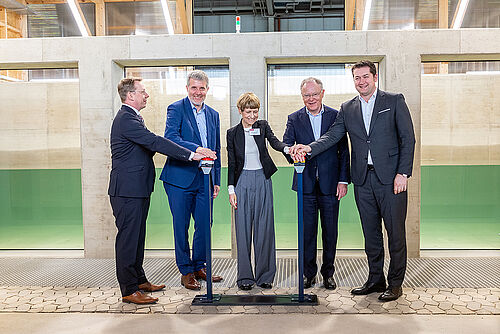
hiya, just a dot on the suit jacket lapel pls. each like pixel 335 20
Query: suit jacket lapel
pixel 132 111
pixel 379 102
pixel 192 120
pixel 210 125
pixel 306 122
pixel 326 121
pixel 358 115
pixel 260 139
pixel 239 141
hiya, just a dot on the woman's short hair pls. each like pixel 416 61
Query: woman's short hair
pixel 248 100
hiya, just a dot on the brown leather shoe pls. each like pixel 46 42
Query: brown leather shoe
pixel 189 282
pixel 148 287
pixel 202 274
pixel 139 297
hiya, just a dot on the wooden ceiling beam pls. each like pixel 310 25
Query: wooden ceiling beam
pixel 181 16
pixel 100 18
pixel 189 15
pixel 80 12
pixel 349 8
pixel 360 12
pixel 3 19
pixel 443 14
pixel 9 27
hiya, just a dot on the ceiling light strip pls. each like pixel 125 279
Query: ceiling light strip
pixel 460 14
pixel 366 14
pixel 77 14
pixel 168 19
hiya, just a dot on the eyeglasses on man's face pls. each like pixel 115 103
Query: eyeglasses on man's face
pixel 314 95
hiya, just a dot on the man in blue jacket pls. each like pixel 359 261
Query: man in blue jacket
pixel 325 180
pixel 194 125
pixel 130 186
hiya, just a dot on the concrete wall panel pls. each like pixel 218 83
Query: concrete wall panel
pixel 178 46
pixel 399 53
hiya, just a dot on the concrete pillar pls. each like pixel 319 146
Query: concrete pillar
pixel 99 77
pixel 247 72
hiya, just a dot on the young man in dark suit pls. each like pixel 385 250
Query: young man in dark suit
pixel 130 186
pixel 325 180
pixel 194 125
pixel 383 143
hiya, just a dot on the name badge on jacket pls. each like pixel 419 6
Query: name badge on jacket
pixel 254 132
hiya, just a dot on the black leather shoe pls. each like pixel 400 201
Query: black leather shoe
pixel 266 285
pixel 392 293
pixel 368 288
pixel 308 282
pixel 245 287
pixel 329 283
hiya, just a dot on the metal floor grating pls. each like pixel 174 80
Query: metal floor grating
pixel 479 272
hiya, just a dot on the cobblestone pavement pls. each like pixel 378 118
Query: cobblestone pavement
pixel 176 300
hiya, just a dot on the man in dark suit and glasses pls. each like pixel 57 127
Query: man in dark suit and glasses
pixel 325 180
pixel 130 186
pixel 383 143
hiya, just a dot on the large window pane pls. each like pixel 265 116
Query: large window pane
pixel 460 155
pixel 40 183
pixel 283 99
pixel 166 85
pixel 403 14
pixel 482 14
pixel 56 20
pixel 137 18
pixel 423 14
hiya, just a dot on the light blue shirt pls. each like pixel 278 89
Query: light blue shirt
pixel 316 122
pixel 201 121
pixel 367 111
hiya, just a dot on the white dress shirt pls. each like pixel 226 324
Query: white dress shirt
pixel 252 156
pixel 367 111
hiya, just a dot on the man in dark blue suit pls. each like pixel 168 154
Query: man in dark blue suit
pixel 325 180
pixel 130 186
pixel 195 126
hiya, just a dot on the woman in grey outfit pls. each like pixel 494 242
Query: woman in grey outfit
pixel 251 193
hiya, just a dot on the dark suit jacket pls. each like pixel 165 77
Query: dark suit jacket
pixel 181 128
pixel 236 150
pixel 391 140
pixel 331 165
pixel 132 150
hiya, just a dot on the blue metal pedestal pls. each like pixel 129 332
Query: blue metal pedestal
pixel 296 299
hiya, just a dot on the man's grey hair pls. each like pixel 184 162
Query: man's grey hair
pixel 197 75
pixel 311 79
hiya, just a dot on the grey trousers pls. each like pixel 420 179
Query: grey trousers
pixel 255 216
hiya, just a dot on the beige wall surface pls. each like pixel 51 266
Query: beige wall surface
pixel 101 61
pixel 39 125
pixel 461 119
